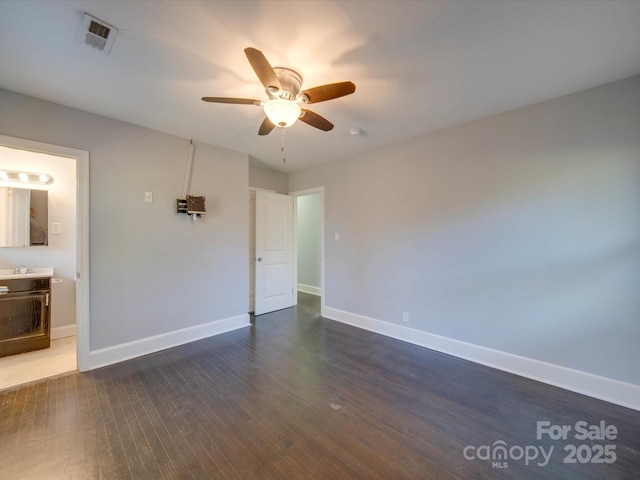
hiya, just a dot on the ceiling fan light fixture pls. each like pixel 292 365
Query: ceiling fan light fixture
pixel 282 113
pixel 282 86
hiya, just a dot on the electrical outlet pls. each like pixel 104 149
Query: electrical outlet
pixel 405 317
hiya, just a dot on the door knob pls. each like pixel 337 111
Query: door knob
pixel 259 259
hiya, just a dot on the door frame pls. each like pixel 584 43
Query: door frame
pixel 82 236
pixel 302 193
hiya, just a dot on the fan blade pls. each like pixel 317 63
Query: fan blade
pixel 266 127
pixel 315 120
pixel 239 101
pixel 328 92
pixel 263 68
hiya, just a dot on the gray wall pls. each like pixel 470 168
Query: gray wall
pixel 264 178
pixel 309 223
pixel 519 232
pixel 152 270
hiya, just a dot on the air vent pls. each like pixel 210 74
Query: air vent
pixel 97 34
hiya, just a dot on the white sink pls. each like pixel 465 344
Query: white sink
pixel 35 272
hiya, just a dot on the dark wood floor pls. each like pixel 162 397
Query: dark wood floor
pixel 300 397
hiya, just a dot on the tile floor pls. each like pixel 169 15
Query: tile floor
pixel 28 367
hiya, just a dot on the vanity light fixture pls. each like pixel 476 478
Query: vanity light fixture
pixel 25 177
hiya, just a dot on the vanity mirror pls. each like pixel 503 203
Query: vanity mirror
pixel 23 217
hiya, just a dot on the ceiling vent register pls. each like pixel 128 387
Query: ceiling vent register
pixel 97 34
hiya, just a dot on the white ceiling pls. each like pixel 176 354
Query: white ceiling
pixel 419 66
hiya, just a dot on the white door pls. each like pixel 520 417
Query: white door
pixel 252 251
pixel 274 252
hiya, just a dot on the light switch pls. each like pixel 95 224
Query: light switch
pixel 56 228
pixel 148 197
pixel 337 237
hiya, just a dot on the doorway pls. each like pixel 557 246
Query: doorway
pixel 69 339
pixel 309 248
pixel 308 241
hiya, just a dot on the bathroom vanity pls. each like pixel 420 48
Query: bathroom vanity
pixel 25 310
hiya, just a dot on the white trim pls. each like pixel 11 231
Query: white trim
pixel 83 321
pixel 309 289
pixel 83 297
pixel 307 191
pixel 145 346
pixel 63 332
pixel 295 247
pixel 607 389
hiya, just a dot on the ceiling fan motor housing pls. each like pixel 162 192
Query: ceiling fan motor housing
pixel 290 83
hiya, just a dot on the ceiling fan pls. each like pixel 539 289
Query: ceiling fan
pixel 285 97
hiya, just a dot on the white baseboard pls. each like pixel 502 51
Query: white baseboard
pixel 126 351
pixel 63 332
pixel 603 388
pixel 309 289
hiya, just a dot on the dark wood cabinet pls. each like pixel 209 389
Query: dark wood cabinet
pixel 25 315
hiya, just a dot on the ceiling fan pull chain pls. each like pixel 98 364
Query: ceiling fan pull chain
pixel 284 160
